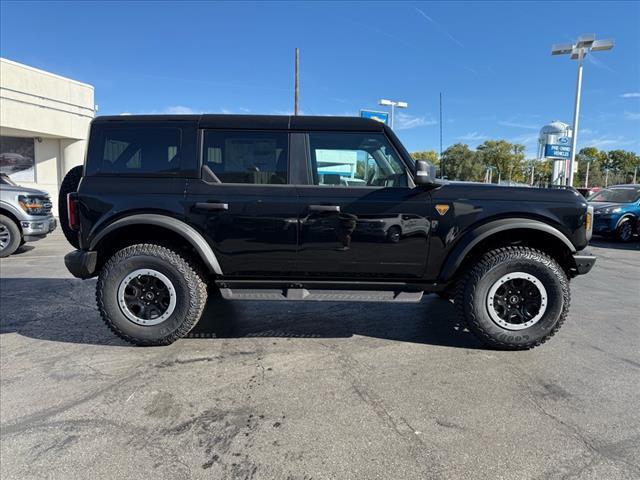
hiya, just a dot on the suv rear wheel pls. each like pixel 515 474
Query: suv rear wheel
pixel 149 295
pixel 514 298
pixel 10 236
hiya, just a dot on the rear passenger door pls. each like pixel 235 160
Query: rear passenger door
pixel 244 202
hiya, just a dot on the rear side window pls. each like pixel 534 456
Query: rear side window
pixel 246 156
pixel 139 150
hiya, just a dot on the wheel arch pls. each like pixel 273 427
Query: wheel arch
pixel 627 216
pixel 146 226
pixel 10 214
pixel 505 232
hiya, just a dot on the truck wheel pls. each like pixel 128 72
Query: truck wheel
pixel 10 236
pixel 514 298
pixel 149 295
pixel 69 184
pixel 624 232
pixel 394 234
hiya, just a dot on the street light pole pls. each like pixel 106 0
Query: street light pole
pixel 576 118
pixel 393 104
pixel 585 44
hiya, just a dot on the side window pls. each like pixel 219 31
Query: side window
pixel 247 156
pixel 140 150
pixel 355 160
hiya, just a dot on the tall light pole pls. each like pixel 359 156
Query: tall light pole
pixel 585 44
pixel 393 105
pixel 296 86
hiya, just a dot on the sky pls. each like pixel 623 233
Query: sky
pixel 490 60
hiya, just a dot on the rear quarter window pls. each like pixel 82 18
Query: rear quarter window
pixel 141 151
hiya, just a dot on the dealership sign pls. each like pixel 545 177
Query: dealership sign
pixel 382 117
pixel 560 149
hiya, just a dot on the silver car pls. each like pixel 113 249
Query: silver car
pixel 25 215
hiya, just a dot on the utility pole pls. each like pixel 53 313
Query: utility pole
pixel 586 177
pixel 441 161
pixel 297 84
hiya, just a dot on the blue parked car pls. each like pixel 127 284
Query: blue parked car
pixel 616 211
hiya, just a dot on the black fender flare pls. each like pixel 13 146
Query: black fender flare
pixel 186 231
pixel 481 232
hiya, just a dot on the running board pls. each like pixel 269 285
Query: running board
pixel 320 295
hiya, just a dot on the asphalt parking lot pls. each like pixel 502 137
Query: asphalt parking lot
pixel 315 390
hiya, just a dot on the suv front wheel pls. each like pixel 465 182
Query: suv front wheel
pixel 149 295
pixel 514 298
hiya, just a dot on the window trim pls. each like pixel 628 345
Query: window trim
pixel 309 167
pixel 203 131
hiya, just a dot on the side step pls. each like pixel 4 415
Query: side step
pixel 320 295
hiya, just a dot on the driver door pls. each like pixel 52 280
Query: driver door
pixel 360 217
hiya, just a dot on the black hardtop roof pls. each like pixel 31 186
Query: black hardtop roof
pixel 254 122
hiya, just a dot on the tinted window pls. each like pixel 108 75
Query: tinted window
pixel 617 195
pixel 247 157
pixel 140 150
pixel 355 160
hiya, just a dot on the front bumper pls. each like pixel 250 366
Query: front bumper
pixel 81 263
pixel 584 262
pixel 36 228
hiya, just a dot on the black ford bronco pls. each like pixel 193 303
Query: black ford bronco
pixel 167 208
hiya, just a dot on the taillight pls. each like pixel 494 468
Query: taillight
pixel 72 211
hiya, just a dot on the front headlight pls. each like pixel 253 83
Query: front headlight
pixel 34 205
pixel 610 210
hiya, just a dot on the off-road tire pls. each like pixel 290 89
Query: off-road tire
pixel 69 184
pixel 187 279
pixel 624 231
pixel 473 288
pixel 15 236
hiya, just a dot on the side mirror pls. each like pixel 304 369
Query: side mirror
pixel 425 173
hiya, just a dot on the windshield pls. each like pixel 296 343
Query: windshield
pixel 616 195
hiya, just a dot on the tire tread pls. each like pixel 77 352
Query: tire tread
pixel 192 274
pixel 467 285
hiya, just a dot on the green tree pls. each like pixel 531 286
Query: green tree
pixel 594 158
pixel 505 157
pixel 430 156
pixel 462 163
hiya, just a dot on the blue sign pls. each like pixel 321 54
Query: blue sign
pixel 382 117
pixel 562 150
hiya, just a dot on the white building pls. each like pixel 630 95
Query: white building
pixel 44 125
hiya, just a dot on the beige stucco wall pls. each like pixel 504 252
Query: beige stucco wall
pixel 54 110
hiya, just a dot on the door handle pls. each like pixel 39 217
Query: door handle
pixel 324 208
pixel 211 206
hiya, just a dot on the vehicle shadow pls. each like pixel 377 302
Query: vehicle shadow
pixel 64 310
pixel 604 242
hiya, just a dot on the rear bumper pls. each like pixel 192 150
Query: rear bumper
pixel 81 263
pixel 584 262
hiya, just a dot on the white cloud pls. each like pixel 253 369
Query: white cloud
pixel 473 137
pixel 630 95
pixel 179 110
pixel 405 121
pixel 632 115
pixel 604 141
pixel 519 125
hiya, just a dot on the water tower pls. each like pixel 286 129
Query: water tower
pixel 554 143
